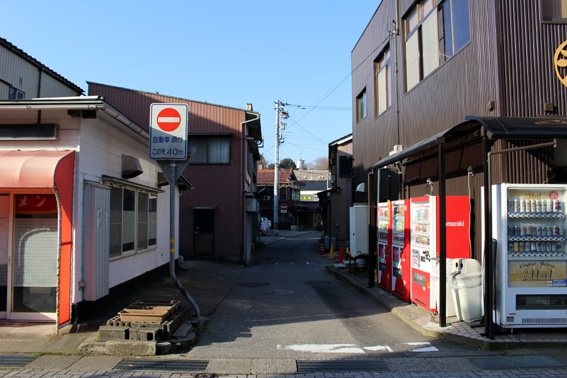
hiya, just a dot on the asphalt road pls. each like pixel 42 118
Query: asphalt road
pixel 286 306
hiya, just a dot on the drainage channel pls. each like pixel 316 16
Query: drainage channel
pixel 164 365
pixel 16 360
pixel 308 366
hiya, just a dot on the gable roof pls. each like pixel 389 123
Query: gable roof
pixel 28 58
pixel 266 176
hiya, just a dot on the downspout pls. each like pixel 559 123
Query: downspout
pixel 244 167
pixel 40 69
pixel 488 308
pixel 371 228
pixel 442 235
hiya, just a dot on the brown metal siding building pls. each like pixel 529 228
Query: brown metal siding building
pixel 506 69
pixel 218 217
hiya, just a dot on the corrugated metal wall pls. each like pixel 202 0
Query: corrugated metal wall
pixel 96 243
pixel 218 186
pixel 508 62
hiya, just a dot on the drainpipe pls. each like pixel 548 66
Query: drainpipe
pixel 442 235
pixel 371 228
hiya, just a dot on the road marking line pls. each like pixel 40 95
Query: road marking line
pixel 323 348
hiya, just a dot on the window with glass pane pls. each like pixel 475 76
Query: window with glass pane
pixel 434 33
pixel 461 28
pixel 361 106
pixel 430 45
pixel 152 220
pixel 128 220
pixel 115 221
pixel 219 149
pixel 142 220
pixel 412 61
pixel 210 149
pixel 383 80
pixel 554 11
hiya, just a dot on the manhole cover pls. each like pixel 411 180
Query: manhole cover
pixel 279 292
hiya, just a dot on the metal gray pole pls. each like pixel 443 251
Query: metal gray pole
pixel 276 169
pixel 172 179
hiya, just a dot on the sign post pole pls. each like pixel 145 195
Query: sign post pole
pixel 168 145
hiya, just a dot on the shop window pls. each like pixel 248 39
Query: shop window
pixel 361 106
pixel 35 253
pixel 382 77
pixel 210 149
pixel 554 11
pixel 434 32
pixel 133 220
pixel 16 94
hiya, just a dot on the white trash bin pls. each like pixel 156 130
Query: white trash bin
pixel 467 290
pixel 450 309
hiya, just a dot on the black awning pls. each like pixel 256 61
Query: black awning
pixel 523 128
pixel 496 128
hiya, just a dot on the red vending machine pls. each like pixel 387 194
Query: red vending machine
pixel 425 242
pixel 401 277
pixel 384 261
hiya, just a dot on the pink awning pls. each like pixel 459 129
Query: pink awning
pixel 31 169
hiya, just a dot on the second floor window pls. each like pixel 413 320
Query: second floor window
pixel 554 11
pixel 382 82
pixel 434 32
pixel 211 149
pixel 16 94
pixel 361 106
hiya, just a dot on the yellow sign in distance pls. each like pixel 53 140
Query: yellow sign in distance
pixel 560 61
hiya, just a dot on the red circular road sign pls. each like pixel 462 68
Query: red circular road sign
pixel 284 206
pixel 168 119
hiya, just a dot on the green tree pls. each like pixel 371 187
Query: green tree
pixel 287 163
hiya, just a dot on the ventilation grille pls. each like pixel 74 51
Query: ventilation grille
pixel 544 321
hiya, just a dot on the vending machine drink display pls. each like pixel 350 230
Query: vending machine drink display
pixel 384 262
pixel 528 224
pixel 400 266
pixel 425 242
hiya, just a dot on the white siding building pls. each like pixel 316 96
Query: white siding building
pixel 81 206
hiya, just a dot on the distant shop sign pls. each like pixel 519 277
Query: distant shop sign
pixel 168 131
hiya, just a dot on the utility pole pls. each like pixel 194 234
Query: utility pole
pixel 279 111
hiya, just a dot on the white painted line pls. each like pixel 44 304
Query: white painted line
pixel 379 348
pixel 169 119
pixel 323 348
pixel 426 347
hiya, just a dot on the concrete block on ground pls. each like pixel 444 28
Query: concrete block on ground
pixel 108 332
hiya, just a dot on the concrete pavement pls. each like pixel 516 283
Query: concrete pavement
pixel 34 350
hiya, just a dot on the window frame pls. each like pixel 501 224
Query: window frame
pixel 16 94
pixel 382 64
pixel 361 106
pixel 554 20
pixel 117 219
pixel 208 138
pixel 414 24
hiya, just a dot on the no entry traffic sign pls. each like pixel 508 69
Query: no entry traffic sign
pixel 168 119
pixel 168 131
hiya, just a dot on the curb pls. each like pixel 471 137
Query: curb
pixel 399 312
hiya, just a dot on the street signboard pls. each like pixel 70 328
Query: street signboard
pixel 168 131
pixel 283 208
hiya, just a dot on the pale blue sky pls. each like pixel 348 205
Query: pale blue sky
pixel 224 52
